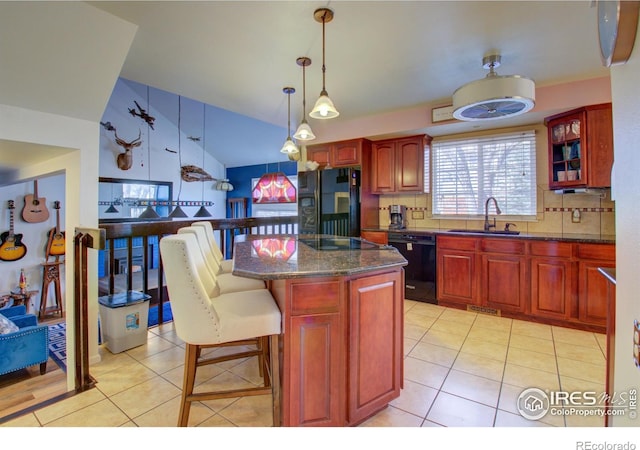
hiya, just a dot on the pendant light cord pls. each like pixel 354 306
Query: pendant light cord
pixel 289 114
pixel 204 116
pixel 323 66
pixel 179 146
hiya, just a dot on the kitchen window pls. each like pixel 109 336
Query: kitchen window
pixel 466 172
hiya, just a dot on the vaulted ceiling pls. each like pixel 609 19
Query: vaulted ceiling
pixel 381 57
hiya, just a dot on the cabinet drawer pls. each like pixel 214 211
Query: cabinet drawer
pixel 456 243
pixel 550 248
pixel 606 252
pixel 509 246
pixel 317 296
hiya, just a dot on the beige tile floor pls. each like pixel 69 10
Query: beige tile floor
pixel 460 369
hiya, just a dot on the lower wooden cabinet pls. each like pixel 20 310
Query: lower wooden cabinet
pixel 504 282
pixel 379 237
pixel 342 346
pixel 374 344
pixel 549 281
pixel 456 270
pixel 551 287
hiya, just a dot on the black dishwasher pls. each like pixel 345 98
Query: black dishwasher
pixel 420 274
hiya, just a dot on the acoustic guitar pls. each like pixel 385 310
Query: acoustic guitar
pixel 35 208
pixel 11 246
pixel 56 241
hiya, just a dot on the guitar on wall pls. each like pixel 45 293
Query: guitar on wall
pixel 11 246
pixel 56 242
pixel 35 208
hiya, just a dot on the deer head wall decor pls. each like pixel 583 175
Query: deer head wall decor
pixel 125 160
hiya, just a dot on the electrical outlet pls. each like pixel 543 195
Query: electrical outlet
pixel 636 343
pixel 575 216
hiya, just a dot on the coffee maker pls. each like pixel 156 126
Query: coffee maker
pixel 398 216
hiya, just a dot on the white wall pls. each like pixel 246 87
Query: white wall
pixel 626 192
pixel 34 235
pixel 80 169
pixel 151 160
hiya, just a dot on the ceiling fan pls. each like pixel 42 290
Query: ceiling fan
pixel 495 96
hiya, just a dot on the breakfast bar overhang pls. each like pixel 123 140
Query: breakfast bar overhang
pixel 341 299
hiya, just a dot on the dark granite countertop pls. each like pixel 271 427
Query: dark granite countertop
pixel 573 237
pixel 295 256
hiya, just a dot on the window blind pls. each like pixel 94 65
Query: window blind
pixel 467 172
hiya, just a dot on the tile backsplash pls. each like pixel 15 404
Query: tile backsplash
pixel 554 213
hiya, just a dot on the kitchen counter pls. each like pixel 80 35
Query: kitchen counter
pixel 341 301
pixel 572 237
pixel 286 257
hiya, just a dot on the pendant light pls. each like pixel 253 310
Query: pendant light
pixel 149 212
pixel 177 211
pixel 203 212
pixel 304 133
pixel 323 108
pixel 289 146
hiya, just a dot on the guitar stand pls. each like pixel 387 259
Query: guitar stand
pixel 51 274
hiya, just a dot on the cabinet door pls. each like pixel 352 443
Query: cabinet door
pixel 503 281
pixel 316 381
pixel 375 343
pixel 410 165
pixel 346 154
pixel 456 272
pixel 379 237
pixel 592 292
pixel 383 168
pixel 551 287
pixel 319 153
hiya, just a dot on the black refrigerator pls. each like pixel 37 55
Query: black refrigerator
pixel 329 202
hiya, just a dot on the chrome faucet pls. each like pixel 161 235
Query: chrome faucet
pixel 487 225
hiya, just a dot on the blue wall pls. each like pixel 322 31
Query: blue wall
pixel 240 178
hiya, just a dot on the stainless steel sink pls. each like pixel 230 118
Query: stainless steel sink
pixel 512 232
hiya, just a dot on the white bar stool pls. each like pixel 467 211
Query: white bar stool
pixel 226 265
pixel 203 321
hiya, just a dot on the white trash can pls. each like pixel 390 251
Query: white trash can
pixel 123 320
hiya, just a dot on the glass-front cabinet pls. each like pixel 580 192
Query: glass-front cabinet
pixel 565 151
pixel 581 147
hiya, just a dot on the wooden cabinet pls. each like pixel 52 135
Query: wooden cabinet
pixel 338 154
pixel 342 346
pixel 315 328
pixel 503 275
pixel 556 282
pixel 551 279
pixel 379 237
pixel 456 270
pixel 397 165
pixel 581 147
pixel 375 344
pixel 592 286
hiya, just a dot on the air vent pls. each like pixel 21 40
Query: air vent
pixel 484 310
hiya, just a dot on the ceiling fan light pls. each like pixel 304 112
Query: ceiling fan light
pixel 494 97
pixel 304 132
pixel 324 109
pixel 289 147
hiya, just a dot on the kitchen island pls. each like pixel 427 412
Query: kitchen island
pixel 341 300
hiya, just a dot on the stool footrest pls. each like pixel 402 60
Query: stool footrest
pixel 228 394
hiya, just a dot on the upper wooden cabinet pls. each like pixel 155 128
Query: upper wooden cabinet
pixel 397 165
pixel 338 154
pixel 581 147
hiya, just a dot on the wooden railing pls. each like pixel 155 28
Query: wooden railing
pixel 132 260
